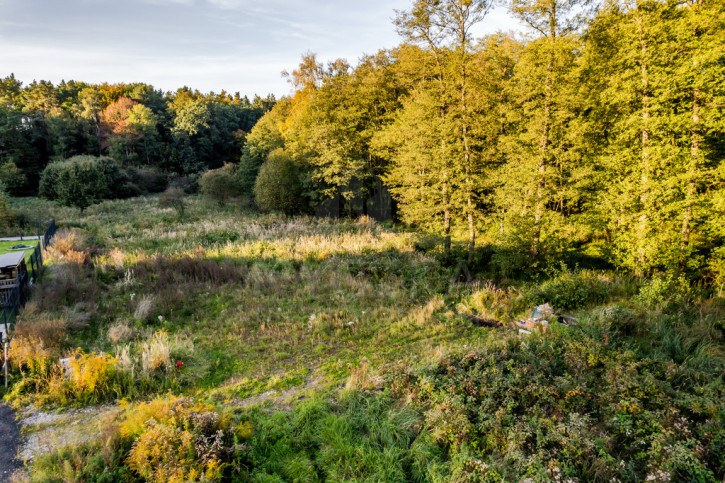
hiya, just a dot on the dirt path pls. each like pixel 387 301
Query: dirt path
pixel 47 431
pixel 9 441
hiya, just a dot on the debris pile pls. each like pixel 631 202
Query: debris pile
pixel 541 318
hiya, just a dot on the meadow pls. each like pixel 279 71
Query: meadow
pixel 258 347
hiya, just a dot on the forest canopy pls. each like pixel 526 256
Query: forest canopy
pixel 598 132
pixel 184 132
pixel 601 134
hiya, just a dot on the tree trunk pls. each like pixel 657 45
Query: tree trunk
pixel 467 156
pixel 645 198
pixel 543 154
pixel 694 161
pixel 446 217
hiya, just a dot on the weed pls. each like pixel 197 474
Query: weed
pixel 145 308
pixel 120 332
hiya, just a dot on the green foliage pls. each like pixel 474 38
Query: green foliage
pixel 663 292
pixel 174 198
pixel 574 289
pixel 6 216
pixel 568 405
pixel 264 138
pixel 271 316
pixel 358 437
pixel 82 181
pixel 219 185
pixel 278 186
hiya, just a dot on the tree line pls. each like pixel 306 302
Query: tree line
pixel 600 131
pixel 183 132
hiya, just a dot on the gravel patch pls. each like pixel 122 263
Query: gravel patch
pixel 47 431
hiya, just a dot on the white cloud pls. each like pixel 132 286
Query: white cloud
pixel 169 2
pixel 235 45
pixel 228 4
pixel 207 73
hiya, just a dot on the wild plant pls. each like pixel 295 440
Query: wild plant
pixel 145 308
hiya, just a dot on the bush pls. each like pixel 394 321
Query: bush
pixel 82 181
pixel 219 185
pixel 166 439
pixel 663 292
pixel 174 198
pixel 178 440
pixel 574 289
pixel 278 186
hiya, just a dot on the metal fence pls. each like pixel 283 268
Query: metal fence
pixel 36 259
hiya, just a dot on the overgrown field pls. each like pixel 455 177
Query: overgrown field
pixel 253 347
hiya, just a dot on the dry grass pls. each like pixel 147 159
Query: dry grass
pixel 165 270
pixel 145 308
pixel 47 328
pixel 120 332
pixel 364 378
pixel 66 284
pixel 156 353
pixel 68 246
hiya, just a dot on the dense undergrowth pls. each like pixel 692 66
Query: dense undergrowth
pixel 359 329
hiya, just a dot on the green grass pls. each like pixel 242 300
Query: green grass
pixel 6 245
pixel 341 343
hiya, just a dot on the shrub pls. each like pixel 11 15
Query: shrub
pixel 51 330
pixel 32 355
pixel 69 246
pixel 574 289
pixel 49 181
pixel 219 185
pixel 171 440
pixel 178 440
pixel 278 186
pixel 91 375
pixel 82 181
pixel 174 198
pixel 663 292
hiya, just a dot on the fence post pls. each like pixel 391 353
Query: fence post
pixel 5 359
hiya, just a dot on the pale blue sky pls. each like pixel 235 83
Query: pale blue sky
pixel 210 45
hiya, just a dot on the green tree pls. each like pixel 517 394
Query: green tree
pixel 338 123
pixel 219 185
pixel 82 181
pixel 265 137
pixel 278 186
pixel 541 151
pixel 444 28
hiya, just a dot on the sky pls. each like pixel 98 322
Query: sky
pixel 209 45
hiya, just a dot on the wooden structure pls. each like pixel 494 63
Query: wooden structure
pixel 13 273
